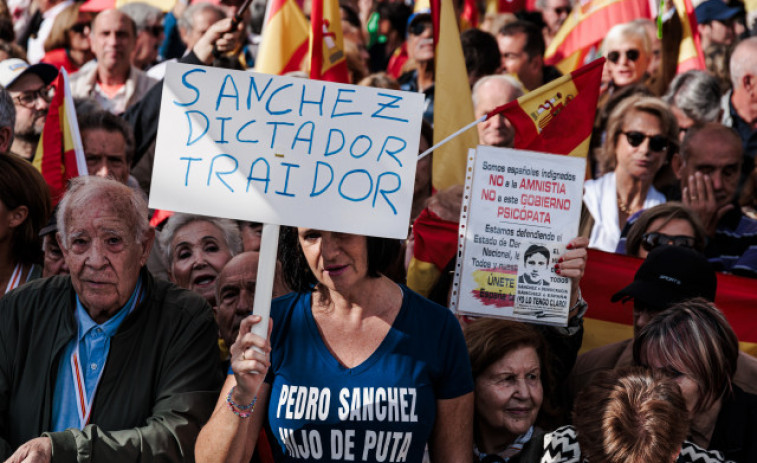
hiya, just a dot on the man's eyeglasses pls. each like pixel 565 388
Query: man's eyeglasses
pixel 631 55
pixel 79 28
pixel 29 99
pixel 652 240
pixel 420 27
pixel 656 142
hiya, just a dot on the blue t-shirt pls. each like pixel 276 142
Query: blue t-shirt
pixel 380 411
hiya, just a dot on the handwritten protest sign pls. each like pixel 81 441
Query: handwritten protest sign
pixel 521 209
pixel 286 151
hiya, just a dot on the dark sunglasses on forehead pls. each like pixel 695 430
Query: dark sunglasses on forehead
pixel 631 55
pixel 80 27
pixel 656 142
pixel 420 27
pixel 652 240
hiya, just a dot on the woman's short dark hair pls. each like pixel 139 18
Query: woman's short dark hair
pixel 632 415
pixel 668 211
pixel 22 185
pixel 382 252
pixel 490 339
pixel 692 337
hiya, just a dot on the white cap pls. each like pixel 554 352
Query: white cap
pixel 13 68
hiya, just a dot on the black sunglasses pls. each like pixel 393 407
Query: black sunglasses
pixel 420 27
pixel 656 142
pixel 562 10
pixel 154 30
pixel 652 240
pixel 631 55
pixel 80 27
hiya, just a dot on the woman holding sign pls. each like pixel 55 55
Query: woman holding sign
pixel 642 134
pixel 360 368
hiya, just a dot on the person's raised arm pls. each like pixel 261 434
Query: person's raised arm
pixel 231 433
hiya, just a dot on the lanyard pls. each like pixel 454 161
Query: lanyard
pixel 84 406
pixel 15 277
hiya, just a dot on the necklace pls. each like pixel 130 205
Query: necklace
pixel 623 207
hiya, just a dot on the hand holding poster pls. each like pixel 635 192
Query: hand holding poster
pixel 286 151
pixel 520 210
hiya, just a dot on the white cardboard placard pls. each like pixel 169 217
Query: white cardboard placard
pixel 286 151
pixel 517 203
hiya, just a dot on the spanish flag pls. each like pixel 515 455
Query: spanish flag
pixel 579 38
pixel 690 54
pixel 607 322
pixel 327 60
pixel 60 155
pixel 555 118
pixel 453 106
pixel 285 38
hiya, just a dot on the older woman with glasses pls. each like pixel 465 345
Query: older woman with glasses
pixel 628 50
pixel 669 224
pixel 642 134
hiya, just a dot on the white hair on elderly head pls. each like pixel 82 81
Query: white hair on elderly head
pixel 743 61
pixel 187 19
pixel 176 222
pixel 128 204
pixel 142 14
pixel 507 79
pixel 625 31
pixel 697 94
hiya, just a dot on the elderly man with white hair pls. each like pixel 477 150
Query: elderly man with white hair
pixel 489 93
pixel 740 104
pixel 107 364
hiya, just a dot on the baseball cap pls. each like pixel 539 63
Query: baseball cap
pixel 670 274
pixel 714 10
pixel 13 68
pixel 417 16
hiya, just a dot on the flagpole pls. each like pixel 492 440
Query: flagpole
pixel 459 132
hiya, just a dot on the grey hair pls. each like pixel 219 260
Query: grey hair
pixel 505 78
pixel 129 204
pixel 621 32
pixel 743 60
pixel 142 14
pixel 697 94
pixel 7 111
pixel 176 222
pixel 187 20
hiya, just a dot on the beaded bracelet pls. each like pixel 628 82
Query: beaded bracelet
pixel 242 411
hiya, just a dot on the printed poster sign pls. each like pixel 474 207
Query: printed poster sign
pixel 520 210
pixel 286 151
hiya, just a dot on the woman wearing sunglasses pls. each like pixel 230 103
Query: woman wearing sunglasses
pixel 669 224
pixel 641 135
pixel 628 50
pixel 68 45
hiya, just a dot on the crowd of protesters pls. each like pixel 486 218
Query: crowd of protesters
pixel 124 341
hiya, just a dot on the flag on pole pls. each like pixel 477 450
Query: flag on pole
pixel 690 54
pixel 327 60
pixel 453 106
pixel 555 118
pixel 285 38
pixel 578 40
pixel 60 155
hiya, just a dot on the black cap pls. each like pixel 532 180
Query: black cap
pixel 715 10
pixel 671 274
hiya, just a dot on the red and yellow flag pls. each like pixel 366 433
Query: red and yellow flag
pixel 582 32
pixel 60 156
pixel 285 38
pixel 690 54
pixel 453 107
pixel 607 322
pixel 557 117
pixel 327 60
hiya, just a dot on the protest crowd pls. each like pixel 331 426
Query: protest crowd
pixel 127 332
